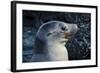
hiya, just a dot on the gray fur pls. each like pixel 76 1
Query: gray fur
pixel 50 35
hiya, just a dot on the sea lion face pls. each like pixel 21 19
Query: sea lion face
pixel 56 31
pixel 67 30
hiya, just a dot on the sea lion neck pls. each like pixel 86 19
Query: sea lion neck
pixel 57 52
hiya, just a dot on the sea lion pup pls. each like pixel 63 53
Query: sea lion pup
pixel 50 41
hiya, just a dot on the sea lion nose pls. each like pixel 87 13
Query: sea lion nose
pixel 74 29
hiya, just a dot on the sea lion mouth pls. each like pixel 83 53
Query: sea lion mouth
pixel 67 35
pixel 64 40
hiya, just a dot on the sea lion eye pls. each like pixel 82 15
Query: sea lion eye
pixel 63 28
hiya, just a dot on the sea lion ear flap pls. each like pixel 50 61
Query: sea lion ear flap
pixel 48 34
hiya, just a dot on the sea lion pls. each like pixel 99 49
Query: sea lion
pixel 50 41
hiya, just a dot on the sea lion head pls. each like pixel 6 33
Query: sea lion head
pixel 56 31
